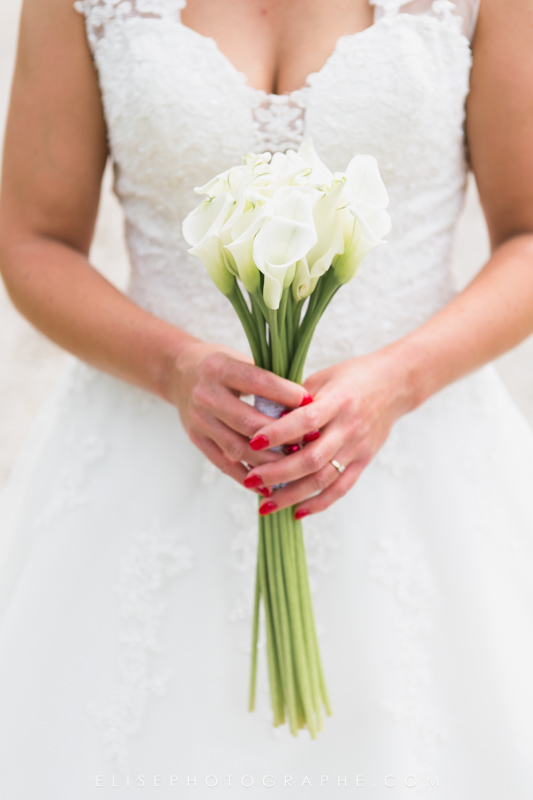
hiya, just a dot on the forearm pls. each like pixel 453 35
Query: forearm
pixel 493 314
pixel 56 289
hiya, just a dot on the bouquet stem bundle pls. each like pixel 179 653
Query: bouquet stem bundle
pixel 279 340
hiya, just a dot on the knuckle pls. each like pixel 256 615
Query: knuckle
pixel 259 379
pixel 234 450
pixel 311 418
pixel 200 395
pixel 247 424
pixel 195 418
pixel 224 466
pixel 341 489
pixel 314 459
pixel 212 364
pixel 322 480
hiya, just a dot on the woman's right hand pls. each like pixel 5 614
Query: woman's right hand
pixel 208 383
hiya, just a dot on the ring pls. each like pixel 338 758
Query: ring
pixel 339 467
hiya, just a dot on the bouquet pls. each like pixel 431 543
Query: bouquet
pixel 289 232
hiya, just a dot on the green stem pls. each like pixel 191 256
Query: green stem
pixel 272 655
pixel 297 630
pixel 308 620
pixel 308 327
pixel 279 365
pixel 260 322
pixel 255 636
pixel 286 628
pixel 282 327
pixel 306 594
pixel 239 304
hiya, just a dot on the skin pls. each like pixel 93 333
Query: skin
pixel 54 158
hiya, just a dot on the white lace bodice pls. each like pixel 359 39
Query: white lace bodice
pixel 178 112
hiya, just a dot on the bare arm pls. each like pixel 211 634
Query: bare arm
pixel 495 312
pixel 55 153
pixel 356 403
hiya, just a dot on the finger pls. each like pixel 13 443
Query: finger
pixel 221 403
pixel 228 466
pixel 301 490
pixel 332 493
pixel 310 459
pixel 236 447
pixel 294 426
pixel 249 379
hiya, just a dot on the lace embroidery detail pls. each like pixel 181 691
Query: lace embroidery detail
pixel 280 121
pixel 154 556
pixel 99 13
pixel 403 568
pixel 70 487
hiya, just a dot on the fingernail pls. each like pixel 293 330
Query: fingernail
pixel 267 508
pixel 284 413
pixel 290 448
pixel 307 399
pixel 310 437
pixel 253 481
pixel 301 513
pixel 259 442
pixel 265 491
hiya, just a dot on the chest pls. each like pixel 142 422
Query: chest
pixel 277 44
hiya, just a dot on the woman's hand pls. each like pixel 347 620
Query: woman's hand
pixel 355 406
pixel 209 381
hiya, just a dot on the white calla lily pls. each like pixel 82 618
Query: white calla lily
pixel 207 219
pixel 241 241
pixel 320 174
pixel 328 219
pixel 284 239
pixel 210 251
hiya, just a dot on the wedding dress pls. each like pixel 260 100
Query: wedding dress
pixel 128 561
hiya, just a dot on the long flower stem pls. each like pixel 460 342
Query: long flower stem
pixel 306 594
pixel 287 630
pixel 300 655
pixel 272 656
pixel 308 326
pixel 239 304
pixel 255 637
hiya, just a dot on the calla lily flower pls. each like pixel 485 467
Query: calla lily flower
pixel 283 240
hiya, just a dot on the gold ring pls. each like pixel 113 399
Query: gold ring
pixel 339 467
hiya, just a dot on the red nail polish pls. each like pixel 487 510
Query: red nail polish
pixel 267 508
pixel 252 481
pixel 307 399
pixel 301 513
pixel 284 413
pixel 265 491
pixel 290 448
pixel 259 442
pixel 310 437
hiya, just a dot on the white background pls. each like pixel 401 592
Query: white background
pixel 30 365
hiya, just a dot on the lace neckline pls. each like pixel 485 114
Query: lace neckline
pixel 342 40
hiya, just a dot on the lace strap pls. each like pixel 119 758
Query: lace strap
pixel 461 14
pixel 99 13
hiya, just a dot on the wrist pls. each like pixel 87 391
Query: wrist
pixel 413 368
pixel 176 353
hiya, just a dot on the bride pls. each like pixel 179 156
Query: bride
pixel 127 531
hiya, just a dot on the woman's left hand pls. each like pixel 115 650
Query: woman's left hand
pixel 355 405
